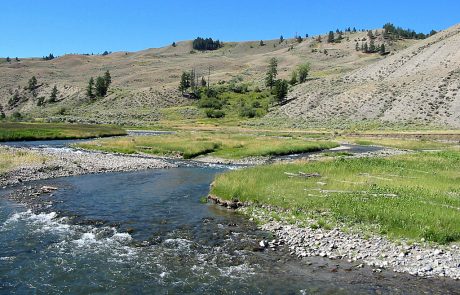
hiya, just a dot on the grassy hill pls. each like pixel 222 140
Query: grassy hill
pixel 144 88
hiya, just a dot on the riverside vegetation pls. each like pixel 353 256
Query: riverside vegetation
pixel 192 144
pixel 407 196
pixel 13 131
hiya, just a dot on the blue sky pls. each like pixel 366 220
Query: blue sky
pixel 39 27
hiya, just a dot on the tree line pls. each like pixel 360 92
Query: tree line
pixel 206 44
pixel 99 87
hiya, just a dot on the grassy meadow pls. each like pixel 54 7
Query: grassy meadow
pixel 224 145
pixel 12 131
pixel 412 196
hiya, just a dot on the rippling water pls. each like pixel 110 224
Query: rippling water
pixel 147 232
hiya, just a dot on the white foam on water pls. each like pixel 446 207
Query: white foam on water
pixel 237 271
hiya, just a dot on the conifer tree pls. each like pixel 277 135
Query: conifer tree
pixel 271 73
pixel 54 93
pixel 101 88
pixel 330 37
pixel 90 88
pixel 107 79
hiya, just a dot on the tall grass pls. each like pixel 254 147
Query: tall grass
pixel 193 144
pixel 413 196
pixel 40 131
pixel 11 159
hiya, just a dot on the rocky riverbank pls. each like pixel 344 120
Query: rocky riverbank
pixel 67 162
pixel 417 258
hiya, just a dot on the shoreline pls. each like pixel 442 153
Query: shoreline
pixel 419 258
pixel 62 162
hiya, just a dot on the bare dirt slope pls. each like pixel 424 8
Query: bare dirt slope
pixel 420 84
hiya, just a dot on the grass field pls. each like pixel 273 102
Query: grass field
pixel 412 196
pixel 11 159
pixel 193 144
pixel 40 131
pixel 408 144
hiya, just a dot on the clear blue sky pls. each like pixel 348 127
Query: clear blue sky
pixel 39 27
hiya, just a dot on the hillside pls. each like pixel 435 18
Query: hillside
pixel 345 84
pixel 418 85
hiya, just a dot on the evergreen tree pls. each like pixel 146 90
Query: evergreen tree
pixel 304 69
pixel 382 49
pixel 354 30
pixel 107 79
pixel 90 88
pixel 319 39
pixel 261 43
pixel 101 88
pixel 330 37
pixel 280 90
pixel 299 39
pixel 8 59
pixel 271 73
pixel 17 59
pixel 174 44
pixel 281 39
pixel 365 48
pixel 32 85
pixel 54 93
pixel 184 82
pixel 372 46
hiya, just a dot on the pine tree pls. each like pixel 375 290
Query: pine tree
pixel 32 83
pixel 281 39
pixel 101 88
pixel 319 39
pixel 372 46
pixel 90 88
pixel 17 59
pixel 280 90
pixel 107 79
pixel 365 48
pixel 261 43
pixel 53 95
pixel 184 82
pixel 382 49
pixel 271 73
pixel 8 59
pixel 299 39
pixel 330 37
pixel 174 44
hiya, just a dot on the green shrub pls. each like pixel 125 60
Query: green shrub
pixel 210 113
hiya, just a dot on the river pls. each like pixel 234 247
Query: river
pixel 147 232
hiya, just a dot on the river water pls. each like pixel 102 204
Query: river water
pixel 147 232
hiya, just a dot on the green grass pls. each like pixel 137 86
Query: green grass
pixel 193 144
pixel 412 196
pixel 408 144
pixel 40 131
